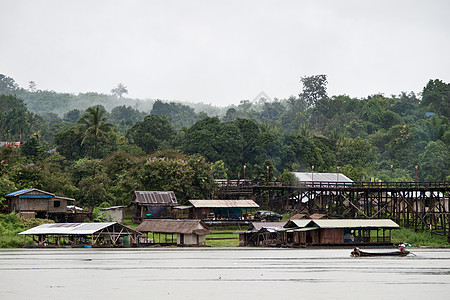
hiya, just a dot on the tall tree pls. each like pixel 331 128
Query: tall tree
pixel 436 97
pixel 153 133
pixel 119 90
pixel 314 89
pixel 93 125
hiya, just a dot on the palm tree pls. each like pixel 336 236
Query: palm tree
pixel 93 125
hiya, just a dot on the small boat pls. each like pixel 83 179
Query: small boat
pixel 359 253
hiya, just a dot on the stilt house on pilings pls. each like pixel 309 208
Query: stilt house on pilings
pixel 154 204
pixel 33 203
pixel 188 232
pixel 306 232
pixel 221 209
pixel 107 234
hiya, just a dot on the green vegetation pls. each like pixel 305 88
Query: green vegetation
pixel 11 225
pixel 95 149
pixel 419 238
pixel 222 238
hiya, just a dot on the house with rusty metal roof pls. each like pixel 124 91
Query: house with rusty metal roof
pixel 188 232
pixel 221 209
pixel 35 203
pixel 106 234
pixel 152 204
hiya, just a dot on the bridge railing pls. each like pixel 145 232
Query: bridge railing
pixel 321 184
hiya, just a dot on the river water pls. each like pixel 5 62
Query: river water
pixel 221 273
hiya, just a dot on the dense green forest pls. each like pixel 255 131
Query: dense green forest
pixel 100 148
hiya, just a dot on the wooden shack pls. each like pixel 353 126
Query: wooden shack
pixel 221 209
pixel 153 204
pixel 188 232
pixel 34 203
pixel 338 232
pixel 106 234
pixel 114 213
pixel 261 234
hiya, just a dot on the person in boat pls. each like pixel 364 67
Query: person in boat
pixel 402 247
pixel 355 252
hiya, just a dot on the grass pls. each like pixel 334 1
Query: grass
pixel 419 238
pixel 11 225
pixel 223 238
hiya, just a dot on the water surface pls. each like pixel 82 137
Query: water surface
pixel 221 273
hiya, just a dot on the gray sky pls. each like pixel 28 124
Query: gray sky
pixel 221 52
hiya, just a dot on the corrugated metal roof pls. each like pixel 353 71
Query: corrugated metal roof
pixel 306 229
pixel 298 223
pixel 173 226
pixel 308 177
pixel 24 192
pixel 224 203
pixel 156 198
pixel 67 228
pixel 112 207
pixel 268 225
pixel 356 223
pixel 342 223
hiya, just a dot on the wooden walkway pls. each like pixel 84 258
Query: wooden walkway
pixel 418 205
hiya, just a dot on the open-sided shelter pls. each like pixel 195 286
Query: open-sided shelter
pixel 188 232
pixel 261 234
pixel 34 203
pixel 153 204
pixel 221 209
pixel 106 234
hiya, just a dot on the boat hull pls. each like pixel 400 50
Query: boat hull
pixel 359 253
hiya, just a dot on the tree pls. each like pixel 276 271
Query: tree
pixel 215 141
pixel 314 89
pixel 179 114
pixel 72 116
pixel 190 177
pixel 32 148
pixel 125 115
pixel 434 162
pixel 93 126
pixel 7 84
pixel 119 90
pixel 13 117
pixel 436 97
pixel 153 133
pixel 219 170
pixel 32 86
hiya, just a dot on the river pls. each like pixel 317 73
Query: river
pixel 221 273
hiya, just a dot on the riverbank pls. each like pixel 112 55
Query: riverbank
pixel 11 225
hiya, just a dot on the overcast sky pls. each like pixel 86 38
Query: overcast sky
pixel 221 52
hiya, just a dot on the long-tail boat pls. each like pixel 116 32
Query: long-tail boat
pixel 359 253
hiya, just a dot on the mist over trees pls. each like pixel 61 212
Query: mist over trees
pixel 100 148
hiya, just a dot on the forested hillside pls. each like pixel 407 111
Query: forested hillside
pixel 100 148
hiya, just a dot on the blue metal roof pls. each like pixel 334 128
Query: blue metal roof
pixel 24 193
pixel 18 192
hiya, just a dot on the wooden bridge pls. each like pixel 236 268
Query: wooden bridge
pixel 418 205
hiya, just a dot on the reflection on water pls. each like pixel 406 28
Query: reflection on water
pixel 227 273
